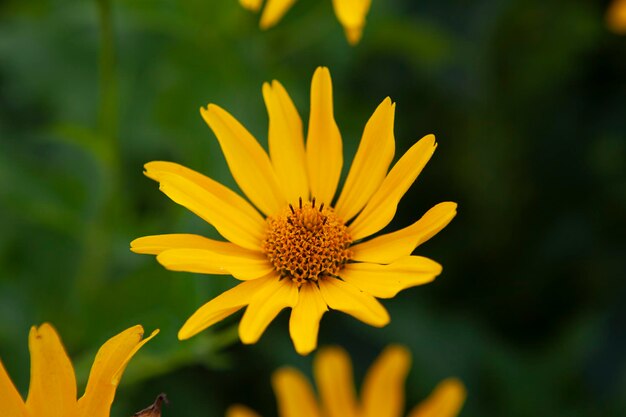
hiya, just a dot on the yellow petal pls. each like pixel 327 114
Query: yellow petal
pixel 107 369
pixel 274 11
pixel 52 390
pixel 343 296
pixel 333 375
pixel 245 265
pixel 392 246
pixel 120 371
pixel 383 389
pixel 324 152
pixel 10 400
pixel 385 281
pixel 294 394
pixel 238 410
pixel 248 162
pixel 370 163
pixel 353 34
pixel 268 301
pixel 351 14
pixel 221 307
pixel 154 245
pixel 232 216
pixel 253 5
pixel 446 400
pixel 286 142
pixel 382 206
pixel 616 16
pixel 305 319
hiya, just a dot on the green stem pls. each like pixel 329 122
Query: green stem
pixel 105 208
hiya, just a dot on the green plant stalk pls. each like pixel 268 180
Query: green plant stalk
pixel 108 201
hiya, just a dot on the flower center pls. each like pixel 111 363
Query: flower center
pixel 306 243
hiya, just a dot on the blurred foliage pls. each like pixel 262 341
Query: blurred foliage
pixel 528 101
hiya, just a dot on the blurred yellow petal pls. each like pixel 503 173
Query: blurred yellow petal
pixel 273 11
pixel 446 400
pixel 107 369
pixel 305 319
pixel 382 206
pixel 385 281
pixel 244 265
pixel 343 296
pixel 154 245
pixel 616 17
pixel 353 34
pixel 248 162
pixel 370 163
pixel 324 152
pixel 238 410
pixel 286 142
pixel 333 375
pixel 10 400
pixel 253 5
pixel 351 14
pixel 392 246
pixel 232 216
pixel 52 390
pixel 269 300
pixel 294 394
pixel 221 307
pixel 383 389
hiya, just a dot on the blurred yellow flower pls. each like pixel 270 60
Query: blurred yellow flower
pixel 616 16
pixel 350 13
pixel 304 251
pixel 52 390
pixel 382 393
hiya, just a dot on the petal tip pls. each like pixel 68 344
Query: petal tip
pixel 45 326
pixel 189 330
pixel 134 243
pixel 247 339
pixel 209 110
pixel 331 351
pixel 304 350
pixel 399 354
pixel 137 328
pixel 431 139
pixel 321 72
pixel 353 35
pixel 284 374
pixel 383 320
pixel 184 334
pixel 454 389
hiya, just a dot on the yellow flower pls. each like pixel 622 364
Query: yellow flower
pixel 350 13
pixel 306 251
pixel 616 16
pixel 382 393
pixel 52 390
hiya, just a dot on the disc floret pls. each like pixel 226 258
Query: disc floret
pixel 306 243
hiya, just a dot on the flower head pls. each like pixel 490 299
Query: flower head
pixel 350 13
pixel 382 393
pixel 52 390
pixel 616 16
pixel 303 248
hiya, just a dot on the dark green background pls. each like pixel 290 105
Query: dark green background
pixel 528 102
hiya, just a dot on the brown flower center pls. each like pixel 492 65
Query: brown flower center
pixel 306 243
